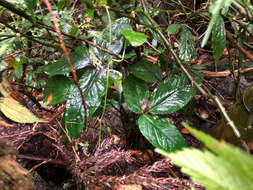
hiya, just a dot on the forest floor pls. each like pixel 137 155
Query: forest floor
pixel 116 156
pixel 124 159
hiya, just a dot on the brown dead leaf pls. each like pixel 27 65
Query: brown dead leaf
pixel 185 131
pixel 50 97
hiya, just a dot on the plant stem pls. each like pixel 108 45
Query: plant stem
pixel 68 60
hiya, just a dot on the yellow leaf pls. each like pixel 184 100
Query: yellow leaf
pixel 13 110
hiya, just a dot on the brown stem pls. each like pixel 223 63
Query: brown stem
pixel 52 161
pixel 244 51
pixel 39 24
pixel 67 58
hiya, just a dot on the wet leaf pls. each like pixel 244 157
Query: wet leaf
pixel 80 58
pixel 135 91
pixel 171 95
pixel 117 38
pixel 218 38
pixel 214 8
pixel 58 87
pixel 93 87
pixel 173 28
pixel 146 71
pixel 186 46
pixel 135 38
pixel 13 110
pixel 161 133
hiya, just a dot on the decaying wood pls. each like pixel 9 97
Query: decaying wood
pixel 12 175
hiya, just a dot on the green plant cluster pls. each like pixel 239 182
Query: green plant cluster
pixel 99 70
pixel 113 60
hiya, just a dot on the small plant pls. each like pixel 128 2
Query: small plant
pixel 219 166
pixel 98 70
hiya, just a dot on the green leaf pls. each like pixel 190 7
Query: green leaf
pixel 18 72
pixel 116 78
pixel 146 71
pixel 3 48
pixel 61 4
pixel 93 87
pixel 135 92
pixel 155 35
pixel 227 168
pixel 80 58
pixel 117 38
pixel 135 38
pixel 90 9
pixel 102 2
pixel 161 133
pixel 13 110
pixel 247 99
pixel 218 38
pixel 171 95
pixel 58 88
pixel 31 4
pixel 186 46
pixel 215 8
pixel 173 28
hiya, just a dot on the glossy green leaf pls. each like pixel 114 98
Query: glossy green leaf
pixel 135 91
pixel 146 71
pixel 80 58
pixel 93 87
pixel 117 38
pixel 13 110
pixel 171 95
pixel 57 88
pixel 209 169
pixel 135 38
pixel 161 133
pixel 218 38
pixel 173 28
pixel 187 45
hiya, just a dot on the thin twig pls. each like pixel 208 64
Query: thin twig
pixel 51 161
pixel 40 24
pixel 68 59
pixel 238 45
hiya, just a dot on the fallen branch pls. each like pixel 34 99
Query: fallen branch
pixel 224 73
